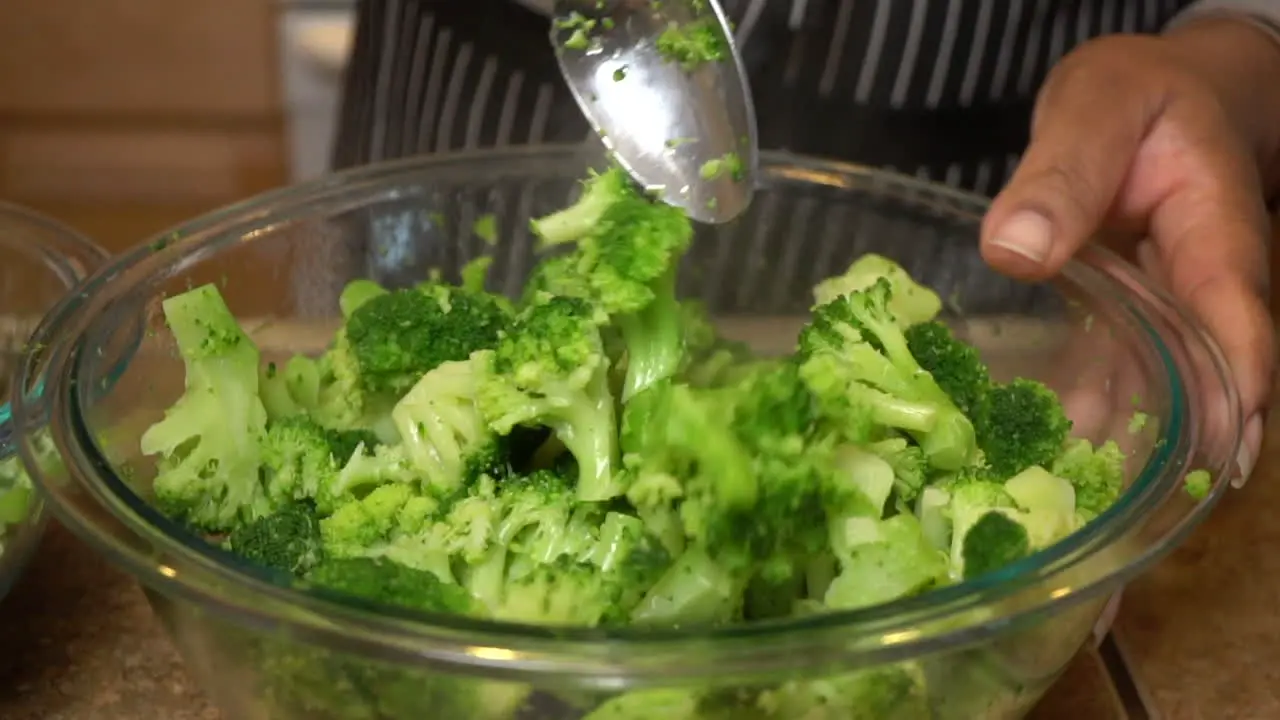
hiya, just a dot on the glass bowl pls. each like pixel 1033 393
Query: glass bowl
pixel 40 261
pixel 988 648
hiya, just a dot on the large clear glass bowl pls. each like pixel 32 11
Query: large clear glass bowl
pixel 40 261
pixel 988 648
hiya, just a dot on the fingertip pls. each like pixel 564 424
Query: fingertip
pixel 1021 244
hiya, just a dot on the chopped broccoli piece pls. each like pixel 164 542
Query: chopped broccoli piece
pixel 475 274
pixel 954 365
pixel 692 44
pixel 357 293
pixel 1198 484
pixel 994 541
pixel 486 228
pixel 910 303
pixel 1020 425
pixel 397 337
pixel 856 358
pixel 288 539
pixel 442 431
pixel 384 581
pixel 550 369
pixel 208 441
pixel 1096 473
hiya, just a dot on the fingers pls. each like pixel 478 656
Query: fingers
pixel 1087 130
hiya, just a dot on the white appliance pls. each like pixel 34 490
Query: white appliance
pixel 315 42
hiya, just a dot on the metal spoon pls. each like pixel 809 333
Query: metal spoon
pixel 684 131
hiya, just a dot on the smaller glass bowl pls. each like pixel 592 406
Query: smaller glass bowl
pixel 40 261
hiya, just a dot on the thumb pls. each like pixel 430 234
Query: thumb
pixel 1084 138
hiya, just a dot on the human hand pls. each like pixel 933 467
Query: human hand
pixel 1169 141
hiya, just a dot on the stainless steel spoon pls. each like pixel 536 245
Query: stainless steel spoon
pixel 684 130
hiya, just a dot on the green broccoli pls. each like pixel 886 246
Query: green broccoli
pixel 881 561
pixel 208 441
pixel 910 303
pixel 1198 484
pixel 625 263
pixel 299 456
pixel 1097 473
pixel 692 44
pixel 994 541
pixel 442 431
pixel 383 581
pixel 954 365
pixel 396 337
pixel 1019 425
pixel 288 539
pixel 892 692
pixel 550 369
pixel 857 361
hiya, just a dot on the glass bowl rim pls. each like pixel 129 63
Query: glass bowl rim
pixel 64 252
pixel 522 649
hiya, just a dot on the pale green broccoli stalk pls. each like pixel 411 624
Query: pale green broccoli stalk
pixel 550 369
pixel 695 591
pixel 357 293
pixel 442 431
pixel 599 192
pixel 910 303
pixel 856 358
pixel 207 443
pixel 882 561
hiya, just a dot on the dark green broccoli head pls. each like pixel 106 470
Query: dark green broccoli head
pixel 288 539
pixel 557 335
pixel 399 336
pixel 775 405
pixel 1019 425
pixel 994 541
pixel 954 365
pixel 391 583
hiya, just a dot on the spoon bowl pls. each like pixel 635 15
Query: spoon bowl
pixel 684 128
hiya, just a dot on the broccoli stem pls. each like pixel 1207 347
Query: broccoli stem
pixel 653 338
pixel 588 429
pixel 694 590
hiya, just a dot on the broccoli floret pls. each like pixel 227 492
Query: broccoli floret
pixel 299 456
pixel 475 274
pixel 910 469
pixel 384 581
pixel 1198 484
pixel 692 44
pixel 882 561
pixel 696 590
pixel 395 338
pixel 994 541
pixel 954 365
pixel 1019 425
pixel 910 303
pixel 599 192
pixel 442 431
pixel 677 704
pixel 895 692
pixel 550 369
pixel 207 473
pixel 691 475
pixel 856 357
pixel 1097 474
pixel 288 539
pixel 625 264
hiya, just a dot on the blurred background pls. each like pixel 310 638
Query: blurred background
pixel 122 117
